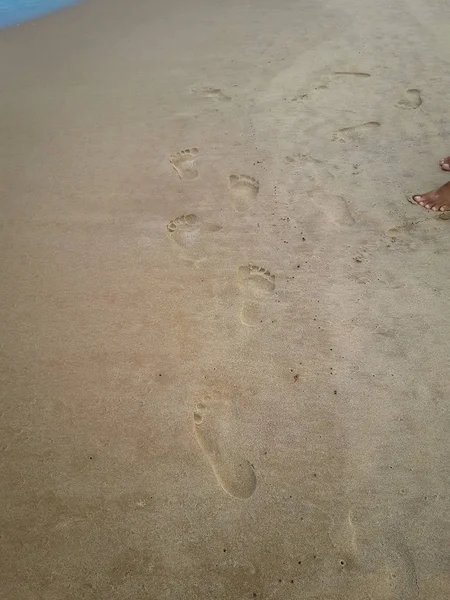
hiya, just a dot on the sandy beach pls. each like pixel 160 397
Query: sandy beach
pixel 224 330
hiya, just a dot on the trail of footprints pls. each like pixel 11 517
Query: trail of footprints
pixel 187 233
pixel 234 473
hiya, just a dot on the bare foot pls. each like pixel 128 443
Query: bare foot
pixel 436 200
pixel 445 163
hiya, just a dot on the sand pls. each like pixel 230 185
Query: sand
pixel 224 329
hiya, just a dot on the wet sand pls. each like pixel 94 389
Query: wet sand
pixel 225 337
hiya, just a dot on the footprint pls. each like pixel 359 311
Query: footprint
pixel 347 134
pixel 399 229
pixel 335 209
pixel 184 230
pixel 411 99
pixel 345 536
pixel 244 190
pixel 382 569
pixel 406 228
pixel 300 160
pixel 312 169
pixel 214 93
pixel 187 234
pixel 184 163
pixel 235 474
pixel 256 282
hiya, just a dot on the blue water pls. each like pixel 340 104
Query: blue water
pixel 13 12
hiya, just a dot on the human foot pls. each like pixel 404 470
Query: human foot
pixel 438 200
pixel 445 164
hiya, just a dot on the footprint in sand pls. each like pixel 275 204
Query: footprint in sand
pixel 235 474
pixel 209 92
pixel 345 536
pixel 256 283
pixel 184 163
pixel 401 229
pixel 311 168
pixel 411 99
pixel 335 209
pixel 187 234
pixel 382 569
pixel 300 160
pixel 244 190
pixel 347 134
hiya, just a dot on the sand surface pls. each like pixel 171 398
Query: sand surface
pixel 225 332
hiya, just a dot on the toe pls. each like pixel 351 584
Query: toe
pixel 430 204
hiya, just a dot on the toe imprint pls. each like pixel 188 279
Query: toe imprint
pixel 185 222
pixel 256 278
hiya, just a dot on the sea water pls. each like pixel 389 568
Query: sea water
pixel 13 12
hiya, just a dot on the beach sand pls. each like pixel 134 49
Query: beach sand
pixel 224 329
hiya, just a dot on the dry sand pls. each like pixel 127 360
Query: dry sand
pixel 225 332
